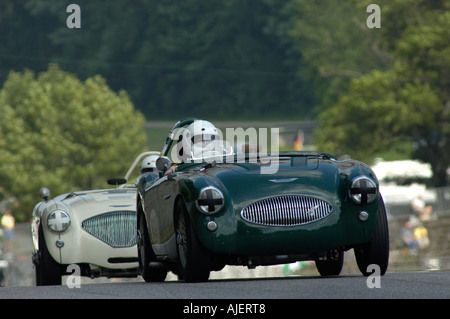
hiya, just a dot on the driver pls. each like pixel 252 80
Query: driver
pixel 198 141
pixel 148 168
pixel 148 164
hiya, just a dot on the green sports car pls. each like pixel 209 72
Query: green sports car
pixel 219 209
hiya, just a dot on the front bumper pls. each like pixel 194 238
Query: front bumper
pixel 341 229
pixel 76 246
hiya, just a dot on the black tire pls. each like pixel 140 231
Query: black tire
pixel 146 255
pixel 194 260
pixel 376 251
pixel 333 265
pixel 47 270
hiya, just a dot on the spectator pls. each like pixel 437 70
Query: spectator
pixel 422 211
pixel 8 223
pixel 409 239
pixel 421 235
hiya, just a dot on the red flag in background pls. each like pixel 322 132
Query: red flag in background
pixel 298 142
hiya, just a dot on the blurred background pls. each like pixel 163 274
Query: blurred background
pixel 78 104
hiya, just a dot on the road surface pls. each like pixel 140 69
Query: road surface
pixel 411 285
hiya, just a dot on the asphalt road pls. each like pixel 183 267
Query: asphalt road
pixel 411 285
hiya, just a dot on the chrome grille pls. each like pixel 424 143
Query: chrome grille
pixel 289 210
pixel 117 229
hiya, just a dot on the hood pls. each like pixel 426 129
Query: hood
pixel 244 182
pixel 89 203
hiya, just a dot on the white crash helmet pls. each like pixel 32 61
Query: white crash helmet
pixel 198 140
pixel 148 164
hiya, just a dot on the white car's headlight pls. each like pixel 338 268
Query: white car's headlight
pixel 58 221
pixel 210 200
pixel 363 190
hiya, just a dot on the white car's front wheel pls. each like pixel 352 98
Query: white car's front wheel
pixel 48 271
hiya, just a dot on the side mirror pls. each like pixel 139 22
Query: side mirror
pixel 44 193
pixel 163 163
pixel 117 181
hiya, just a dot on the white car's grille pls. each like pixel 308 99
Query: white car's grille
pixel 289 210
pixel 117 229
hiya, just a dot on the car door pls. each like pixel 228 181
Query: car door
pixel 167 193
pixel 153 210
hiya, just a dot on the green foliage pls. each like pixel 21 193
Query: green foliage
pixel 67 135
pixel 334 40
pixel 408 102
pixel 380 110
pixel 234 59
pixel 201 58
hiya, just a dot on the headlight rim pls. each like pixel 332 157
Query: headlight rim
pixel 215 210
pixel 369 195
pixel 54 227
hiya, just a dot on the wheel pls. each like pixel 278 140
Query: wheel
pixel 376 251
pixel 47 270
pixel 146 255
pixel 333 265
pixel 194 260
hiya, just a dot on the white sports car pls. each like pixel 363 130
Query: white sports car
pixel 94 229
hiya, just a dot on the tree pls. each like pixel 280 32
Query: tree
pixel 334 41
pixel 59 132
pixel 200 58
pixel 410 101
pixel 24 38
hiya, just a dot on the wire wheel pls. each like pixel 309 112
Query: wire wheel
pixel 194 260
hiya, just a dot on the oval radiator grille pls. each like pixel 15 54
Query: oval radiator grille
pixel 289 210
pixel 117 229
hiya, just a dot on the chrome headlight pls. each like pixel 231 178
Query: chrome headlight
pixel 363 190
pixel 58 221
pixel 210 200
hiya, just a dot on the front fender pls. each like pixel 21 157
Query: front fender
pixel 38 212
